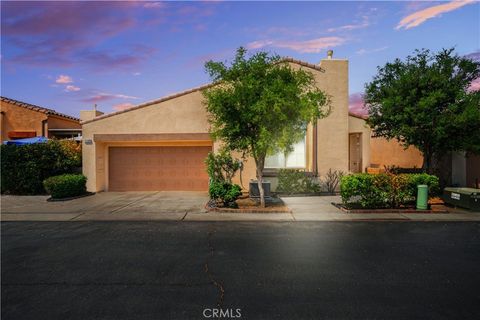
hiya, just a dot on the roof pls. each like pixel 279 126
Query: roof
pixel 38 108
pixel 199 88
pixel 359 116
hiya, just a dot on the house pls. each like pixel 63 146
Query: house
pixel 23 120
pixel 162 144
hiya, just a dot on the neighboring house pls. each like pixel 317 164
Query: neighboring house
pixel 23 120
pixel 162 144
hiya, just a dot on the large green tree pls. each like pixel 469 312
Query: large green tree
pixel 426 101
pixel 261 106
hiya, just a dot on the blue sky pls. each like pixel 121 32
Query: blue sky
pixel 70 55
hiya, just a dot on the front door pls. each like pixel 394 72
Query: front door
pixel 355 152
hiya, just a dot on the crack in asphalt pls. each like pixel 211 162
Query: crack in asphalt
pixel 215 282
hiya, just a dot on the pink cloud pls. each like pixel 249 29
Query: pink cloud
pixel 71 88
pixel 99 97
pixel 64 79
pixel 307 46
pixel 64 33
pixel 474 56
pixel 363 24
pixel 417 18
pixel 356 105
pixel 123 106
pixel 155 5
pixel 475 85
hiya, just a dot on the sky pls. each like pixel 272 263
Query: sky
pixel 70 55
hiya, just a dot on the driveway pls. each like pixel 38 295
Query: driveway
pixel 166 270
pixel 105 205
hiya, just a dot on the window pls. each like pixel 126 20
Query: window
pixel 295 159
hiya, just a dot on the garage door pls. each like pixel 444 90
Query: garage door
pixel 157 168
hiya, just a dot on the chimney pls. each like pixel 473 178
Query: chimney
pixel 329 54
pixel 86 115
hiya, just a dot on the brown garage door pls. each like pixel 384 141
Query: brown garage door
pixel 157 168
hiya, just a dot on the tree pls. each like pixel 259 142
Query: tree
pixel 425 101
pixel 261 106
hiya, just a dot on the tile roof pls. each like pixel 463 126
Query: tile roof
pixel 359 116
pixel 37 108
pixel 199 88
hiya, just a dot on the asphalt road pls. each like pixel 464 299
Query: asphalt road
pixel 169 270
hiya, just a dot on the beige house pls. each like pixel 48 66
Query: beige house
pixel 162 144
pixel 24 120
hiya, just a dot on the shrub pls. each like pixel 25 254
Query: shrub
pixel 23 168
pixel 296 181
pixel 225 192
pixel 364 189
pixel 222 166
pixel 66 185
pixel 384 190
pixel 431 181
pixel 331 180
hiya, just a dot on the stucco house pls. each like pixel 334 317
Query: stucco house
pixel 162 144
pixel 24 120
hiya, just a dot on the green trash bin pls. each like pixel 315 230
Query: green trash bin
pixel 422 197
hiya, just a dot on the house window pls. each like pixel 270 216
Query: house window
pixel 295 159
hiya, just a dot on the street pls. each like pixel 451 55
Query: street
pixel 268 270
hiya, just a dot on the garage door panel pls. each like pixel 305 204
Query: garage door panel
pixel 158 168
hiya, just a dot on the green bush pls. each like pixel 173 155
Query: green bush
pixel 384 190
pixel 66 185
pixel 431 181
pixel 296 181
pixel 225 192
pixel 222 166
pixel 23 168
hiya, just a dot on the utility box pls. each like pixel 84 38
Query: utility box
pixel 468 198
pixel 255 193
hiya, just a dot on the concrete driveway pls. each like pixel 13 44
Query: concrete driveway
pixel 105 205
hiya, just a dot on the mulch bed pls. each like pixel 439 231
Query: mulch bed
pixel 248 205
pixel 434 208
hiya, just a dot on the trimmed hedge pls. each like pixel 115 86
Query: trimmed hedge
pixel 66 185
pixel 296 181
pixel 23 168
pixel 384 190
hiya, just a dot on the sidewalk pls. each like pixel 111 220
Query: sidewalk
pixel 184 206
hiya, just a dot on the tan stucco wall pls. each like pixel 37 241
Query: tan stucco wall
pixel 62 123
pixel 15 118
pixel 357 125
pixel 333 130
pixel 184 114
pixel 388 153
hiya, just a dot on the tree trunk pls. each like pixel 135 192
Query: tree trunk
pixel 260 164
pixel 427 162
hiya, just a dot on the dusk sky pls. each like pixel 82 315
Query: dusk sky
pixel 69 55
